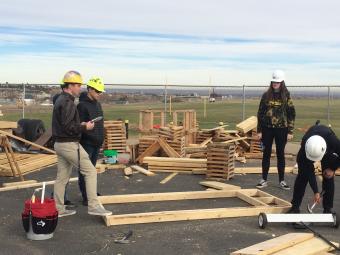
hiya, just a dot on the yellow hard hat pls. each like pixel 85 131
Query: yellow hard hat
pixel 72 77
pixel 96 83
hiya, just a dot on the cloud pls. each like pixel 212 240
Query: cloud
pixel 190 38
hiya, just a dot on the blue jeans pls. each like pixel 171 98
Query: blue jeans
pixel 93 152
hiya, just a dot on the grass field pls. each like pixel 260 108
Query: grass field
pixel 230 112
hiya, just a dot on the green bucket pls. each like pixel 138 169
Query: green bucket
pixel 110 153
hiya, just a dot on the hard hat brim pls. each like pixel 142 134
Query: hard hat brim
pixel 314 158
pixel 277 80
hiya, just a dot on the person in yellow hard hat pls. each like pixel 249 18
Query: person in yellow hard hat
pixel 89 108
pixel 67 130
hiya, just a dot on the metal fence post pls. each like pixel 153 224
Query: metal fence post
pixel 23 100
pixel 329 105
pixel 165 99
pixel 244 102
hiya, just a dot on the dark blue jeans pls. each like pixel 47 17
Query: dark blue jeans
pixel 93 152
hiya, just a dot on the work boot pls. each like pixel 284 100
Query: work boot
pixel 99 210
pixel 66 213
pixel 284 185
pixel 262 184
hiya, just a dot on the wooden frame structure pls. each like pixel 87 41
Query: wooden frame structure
pixel 148 118
pixel 259 202
pixel 189 123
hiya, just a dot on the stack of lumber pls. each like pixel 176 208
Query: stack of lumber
pixel 172 132
pixel 289 244
pixel 178 145
pixel 27 163
pixel 201 136
pixel 159 145
pixel 196 152
pixel 178 165
pixel 247 125
pixel 174 136
pixel 220 161
pixel 255 143
pixel 115 136
pixel 145 142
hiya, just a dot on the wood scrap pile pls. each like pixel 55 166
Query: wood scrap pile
pixel 292 243
pixel 27 163
pixel 115 136
pixel 178 165
pixel 18 164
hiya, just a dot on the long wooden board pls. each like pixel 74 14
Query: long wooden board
pixel 274 245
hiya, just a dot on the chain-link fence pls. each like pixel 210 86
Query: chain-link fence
pixel 213 104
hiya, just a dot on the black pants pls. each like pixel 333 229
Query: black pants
pixel 306 174
pixel 93 152
pixel 268 136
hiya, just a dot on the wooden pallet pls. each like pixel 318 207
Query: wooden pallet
pixel 220 161
pixel 115 136
pixel 27 163
pixel 258 201
pixel 289 244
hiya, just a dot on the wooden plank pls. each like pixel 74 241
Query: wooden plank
pixel 250 200
pixel 153 148
pixel 184 215
pixel 168 178
pixel 11 184
pixel 258 170
pixel 219 185
pixel 32 185
pixel 168 149
pixel 142 170
pixel 165 159
pixel 312 246
pixel 274 245
pixel 8 124
pixel 235 140
pixel 247 125
pixel 166 196
pixel 27 142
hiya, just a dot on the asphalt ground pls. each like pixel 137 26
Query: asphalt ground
pixel 85 234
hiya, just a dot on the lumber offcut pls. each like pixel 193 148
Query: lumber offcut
pixel 142 170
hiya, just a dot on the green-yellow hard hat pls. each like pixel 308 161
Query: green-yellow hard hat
pixel 96 83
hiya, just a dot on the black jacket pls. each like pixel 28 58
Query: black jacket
pixel 88 110
pixel 331 159
pixel 65 120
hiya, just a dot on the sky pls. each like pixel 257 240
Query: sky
pixel 215 42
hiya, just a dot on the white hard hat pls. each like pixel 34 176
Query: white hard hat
pixel 315 148
pixel 278 76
